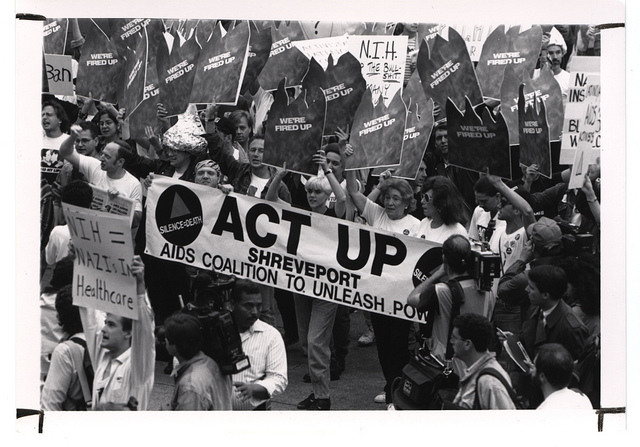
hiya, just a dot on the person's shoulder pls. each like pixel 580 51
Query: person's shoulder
pixel 571 318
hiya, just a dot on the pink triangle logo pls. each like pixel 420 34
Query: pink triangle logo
pixel 179 208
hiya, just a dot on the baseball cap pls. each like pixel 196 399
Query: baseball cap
pixel 225 125
pixel 545 233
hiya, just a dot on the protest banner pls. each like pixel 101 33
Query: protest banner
pixel 285 60
pixel 545 88
pixel 343 87
pixel 54 36
pixel 257 56
pixel 293 131
pixel 447 73
pixel 176 72
pixel 583 100
pixel 221 65
pixel 514 48
pixel 377 134
pixel 478 141
pixel 534 134
pixel 118 205
pixel 101 68
pixel 288 248
pixel 58 74
pixel 382 60
pixel 321 49
pixel 417 130
pixel 102 276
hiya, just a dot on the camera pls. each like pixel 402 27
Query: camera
pixel 573 242
pixel 485 265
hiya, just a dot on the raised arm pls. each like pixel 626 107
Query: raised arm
pixel 67 148
pixel 515 199
pixel 341 197
pixel 274 186
pixel 359 199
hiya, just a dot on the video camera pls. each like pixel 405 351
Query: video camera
pixel 574 243
pixel 485 265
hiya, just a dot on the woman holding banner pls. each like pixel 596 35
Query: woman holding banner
pixel 392 334
pixel 315 317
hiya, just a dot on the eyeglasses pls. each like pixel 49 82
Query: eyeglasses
pixel 454 338
pixel 427 198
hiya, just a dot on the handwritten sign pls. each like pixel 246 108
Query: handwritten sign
pixel 102 276
pixel 358 266
pixel 58 73
pixel 583 101
pixel 477 140
pixel 382 60
pixel 293 132
pixel 534 135
pixel 321 49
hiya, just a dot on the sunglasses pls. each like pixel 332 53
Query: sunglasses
pixel 427 198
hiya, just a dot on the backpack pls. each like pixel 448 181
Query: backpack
pixel 517 401
pixel 85 370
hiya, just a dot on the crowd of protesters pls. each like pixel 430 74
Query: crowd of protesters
pixel 546 237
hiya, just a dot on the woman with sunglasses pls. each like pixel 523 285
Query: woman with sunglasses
pixel 391 334
pixel 315 317
pixel 444 210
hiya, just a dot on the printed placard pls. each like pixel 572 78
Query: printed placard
pixel 285 60
pixel 544 87
pixel 321 49
pixel 534 134
pixel 102 276
pixel 134 74
pixel 515 48
pixel 221 66
pixel 477 140
pixel 176 71
pixel 358 266
pixel 118 205
pixel 257 56
pixel 447 72
pixel 382 60
pixel 583 100
pixel 100 69
pixel 343 87
pixel 54 36
pixel 57 70
pixel 293 132
pixel 377 135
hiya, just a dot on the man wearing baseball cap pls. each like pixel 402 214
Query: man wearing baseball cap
pixel 227 132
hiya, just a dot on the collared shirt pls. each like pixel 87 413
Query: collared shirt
pixel 132 372
pixel 263 345
pixel 201 386
pixel 492 395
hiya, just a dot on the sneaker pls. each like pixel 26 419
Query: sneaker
pixel 320 404
pixel 380 398
pixel 305 404
pixel 367 338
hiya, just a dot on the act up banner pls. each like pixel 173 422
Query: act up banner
pixel 102 276
pixel 288 248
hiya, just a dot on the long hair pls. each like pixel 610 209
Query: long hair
pixel 447 200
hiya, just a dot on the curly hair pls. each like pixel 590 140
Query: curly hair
pixel 403 187
pixel 476 328
pixel 65 123
pixel 446 199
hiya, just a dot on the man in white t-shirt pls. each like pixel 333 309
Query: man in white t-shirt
pixel 556 48
pixel 53 120
pixel 108 172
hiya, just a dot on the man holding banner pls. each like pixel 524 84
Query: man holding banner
pixel 122 351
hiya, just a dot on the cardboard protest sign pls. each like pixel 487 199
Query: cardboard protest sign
pixel 134 75
pixel 379 29
pixel 204 30
pixel 382 59
pixel 583 100
pixel 220 66
pixel 293 132
pixel 54 33
pixel 101 68
pixel 546 89
pixel 176 73
pixel 446 72
pixel 377 134
pixel 427 32
pixel 58 73
pixel 257 56
pixel 126 32
pixel 187 27
pixel 285 60
pixel 534 134
pixel 477 140
pixel 417 130
pixel 145 114
pixel 102 276
pixel 358 266
pixel 519 49
pixel 118 205
pixel 319 30
pixel 321 49
pixel 343 87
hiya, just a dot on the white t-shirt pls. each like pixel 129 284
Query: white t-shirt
pixel 50 162
pixel 377 218
pixel 479 224
pixel 58 245
pixel 441 233
pixel 566 399
pixel 511 247
pixel 257 185
pixel 128 185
